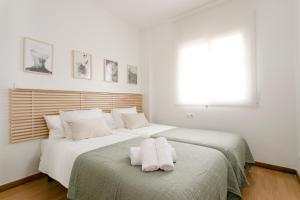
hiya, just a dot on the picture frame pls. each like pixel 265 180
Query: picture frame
pixel 82 65
pixel 37 56
pixel 111 71
pixel 132 74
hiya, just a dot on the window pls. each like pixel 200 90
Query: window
pixel 218 68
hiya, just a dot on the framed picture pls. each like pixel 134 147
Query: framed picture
pixel 132 74
pixel 38 57
pixel 110 71
pixel 82 65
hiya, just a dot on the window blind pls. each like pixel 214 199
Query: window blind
pixel 216 56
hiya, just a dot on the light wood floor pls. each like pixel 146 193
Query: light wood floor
pixel 265 184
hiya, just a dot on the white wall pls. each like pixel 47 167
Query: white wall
pixel 297 66
pixel 270 129
pixel 80 25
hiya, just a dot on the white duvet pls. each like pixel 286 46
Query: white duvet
pixel 59 155
pixel 147 131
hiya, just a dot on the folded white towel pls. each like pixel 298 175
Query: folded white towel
pixel 149 157
pixel 164 155
pixel 136 155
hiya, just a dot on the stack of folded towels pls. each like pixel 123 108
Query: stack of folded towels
pixel 154 154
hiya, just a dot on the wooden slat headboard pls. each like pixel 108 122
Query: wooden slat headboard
pixel 29 106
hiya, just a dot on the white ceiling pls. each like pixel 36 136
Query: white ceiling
pixel 147 13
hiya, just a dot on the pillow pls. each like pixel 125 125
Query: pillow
pixel 89 128
pixel 117 115
pixel 54 124
pixel 133 121
pixel 110 120
pixel 76 115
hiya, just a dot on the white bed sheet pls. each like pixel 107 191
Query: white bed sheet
pixel 58 155
pixel 148 131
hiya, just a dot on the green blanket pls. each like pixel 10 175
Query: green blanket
pixel 200 173
pixel 234 147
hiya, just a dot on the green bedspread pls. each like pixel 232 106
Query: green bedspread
pixel 234 147
pixel 200 173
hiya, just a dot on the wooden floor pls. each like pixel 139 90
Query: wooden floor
pixel 267 184
pixel 264 185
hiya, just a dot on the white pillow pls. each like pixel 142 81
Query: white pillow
pixel 54 124
pixel 117 115
pixel 110 120
pixel 133 121
pixel 76 115
pixel 89 128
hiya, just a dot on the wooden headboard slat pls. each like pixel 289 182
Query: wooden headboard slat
pixel 29 106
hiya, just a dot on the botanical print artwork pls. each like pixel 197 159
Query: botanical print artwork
pixel 132 74
pixel 82 65
pixel 38 56
pixel 110 71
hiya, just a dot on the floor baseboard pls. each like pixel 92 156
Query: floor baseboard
pixel 20 182
pixel 276 168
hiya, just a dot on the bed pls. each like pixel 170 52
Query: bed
pixel 99 168
pixel 234 147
